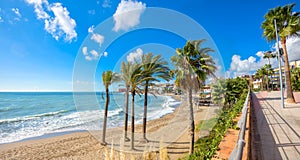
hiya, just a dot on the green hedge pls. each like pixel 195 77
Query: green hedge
pixel 205 147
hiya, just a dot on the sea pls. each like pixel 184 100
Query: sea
pixel 25 115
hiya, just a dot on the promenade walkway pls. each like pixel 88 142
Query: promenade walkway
pixel 278 129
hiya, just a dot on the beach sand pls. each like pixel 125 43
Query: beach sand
pixel 168 132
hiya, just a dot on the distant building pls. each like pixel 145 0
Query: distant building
pixel 206 89
pixel 274 79
pixel 256 84
pixel 122 90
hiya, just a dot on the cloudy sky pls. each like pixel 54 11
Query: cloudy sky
pixel 41 40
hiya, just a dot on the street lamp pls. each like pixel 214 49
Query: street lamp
pixel 281 53
pixel 279 64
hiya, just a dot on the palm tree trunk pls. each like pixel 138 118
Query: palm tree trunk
pixel 263 83
pixel 105 117
pixel 290 96
pixel 132 120
pixel 126 114
pixel 192 125
pixel 267 79
pixel 271 74
pixel 145 112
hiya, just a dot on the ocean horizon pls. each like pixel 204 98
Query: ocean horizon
pixel 25 115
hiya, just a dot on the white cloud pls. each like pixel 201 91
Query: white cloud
pixel 293 48
pixel 106 4
pixel 250 65
pixel 98 38
pixel 95 54
pixel 84 51
pixel 128 14
pixel 135 55
pixel 38 8
pixel 240 66
pixel 105 54
pixel 61 25
pixel 89 58
pixel 16 11
pixel 1 20
pixel 92 55
pixel 91 29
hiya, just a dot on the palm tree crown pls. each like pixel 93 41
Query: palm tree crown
pixel 269 55
pixel 127 70
pixel 288 25
pixel 108 78
pixel 154 68
pixel 193 65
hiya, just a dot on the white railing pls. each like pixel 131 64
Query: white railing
pixel 237 152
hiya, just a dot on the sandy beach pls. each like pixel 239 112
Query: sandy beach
pixel 168 132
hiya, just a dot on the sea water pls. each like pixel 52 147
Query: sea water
pixel 30 114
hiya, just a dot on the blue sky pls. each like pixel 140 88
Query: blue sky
pixel 41 39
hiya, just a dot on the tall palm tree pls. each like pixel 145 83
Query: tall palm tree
pixel 127 71
pixel 269 55
pixel 193 65
pixel 108 78
pixel 154 68
pixel 136 79
pixel 288 24
pixel 268 71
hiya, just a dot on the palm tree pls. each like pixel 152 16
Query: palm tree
pixel 193 65
pixel 219 92
pixel 136 79
pixel 154 68
pixel 269 55
pixel 288 24
pixel 268 71
pixel 108 78
pixel 127 71
pixel 260 73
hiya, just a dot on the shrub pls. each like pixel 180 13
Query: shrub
pixel 205 147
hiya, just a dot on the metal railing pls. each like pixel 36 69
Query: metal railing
pixel 237 152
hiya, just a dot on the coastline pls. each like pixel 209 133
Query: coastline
pixel 84 144
pixel 55 113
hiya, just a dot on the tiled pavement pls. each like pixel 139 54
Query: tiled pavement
pixel 278 128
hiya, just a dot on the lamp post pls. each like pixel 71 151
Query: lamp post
pixel 281 53
pixel 279 64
